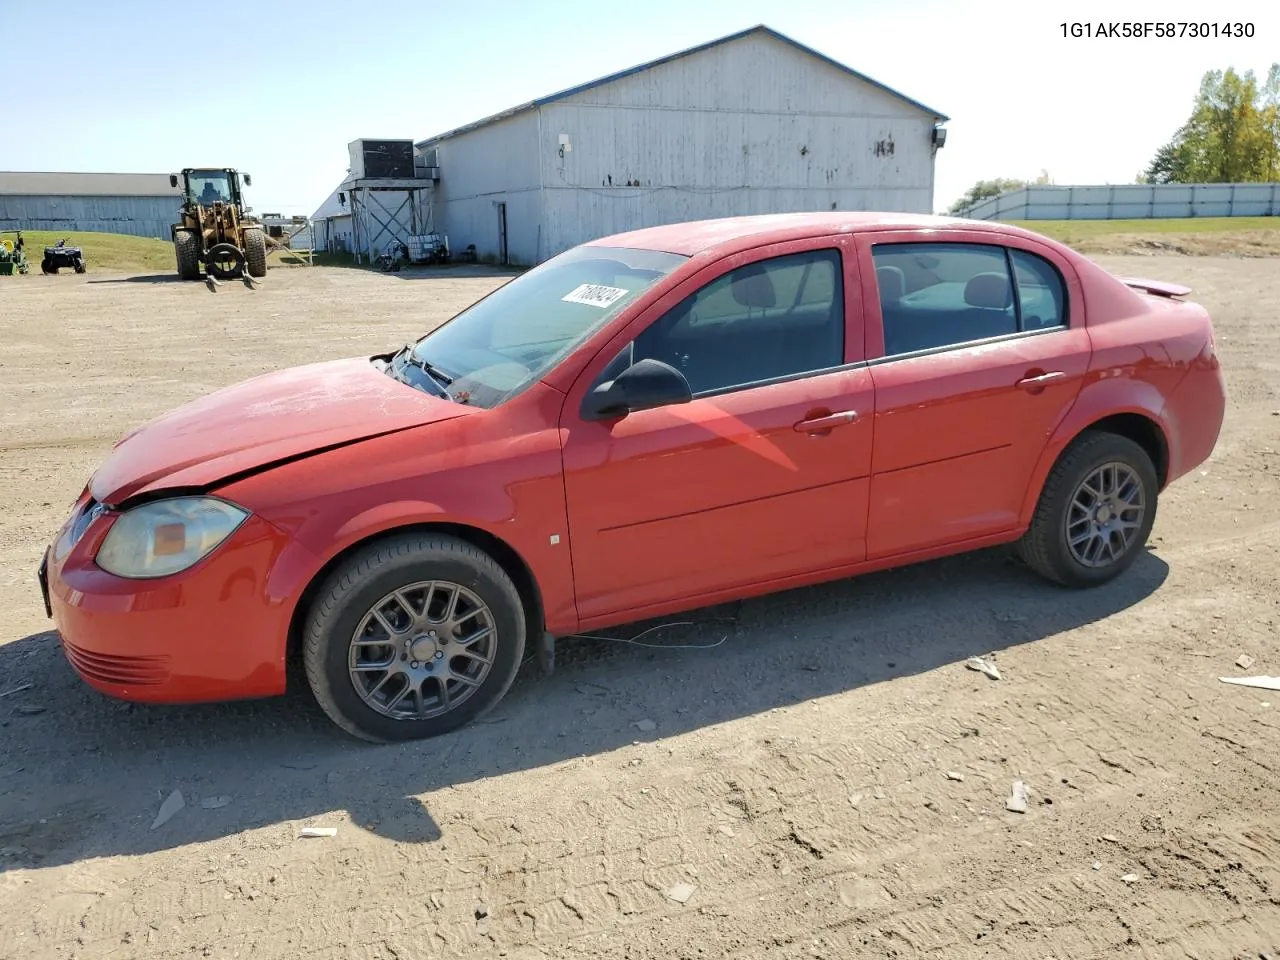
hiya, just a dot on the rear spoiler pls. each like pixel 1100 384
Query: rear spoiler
pixel 1156 287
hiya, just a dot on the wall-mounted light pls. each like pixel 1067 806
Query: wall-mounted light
pixel 565 145
pixel 939 137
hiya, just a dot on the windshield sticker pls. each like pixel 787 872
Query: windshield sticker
pixel 595 295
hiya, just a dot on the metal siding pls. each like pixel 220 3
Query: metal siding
pixel 759 74
pixel 139 216
pixel 1132 202
pixel 752 127
pixel 478 170
pixel 576 216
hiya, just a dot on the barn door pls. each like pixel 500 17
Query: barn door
pixel 502 234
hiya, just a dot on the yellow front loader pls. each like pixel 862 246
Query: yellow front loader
pixel 214 229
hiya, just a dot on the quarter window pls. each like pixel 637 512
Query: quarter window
pixel 935 295
pixel 1042 298
pixel 762 321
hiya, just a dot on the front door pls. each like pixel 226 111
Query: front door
pixel 984 351
pixel 764 474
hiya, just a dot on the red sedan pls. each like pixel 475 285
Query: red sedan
pixel 648 423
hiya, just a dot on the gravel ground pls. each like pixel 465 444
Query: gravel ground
pixel 829 782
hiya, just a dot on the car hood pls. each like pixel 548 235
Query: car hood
pixel 272 418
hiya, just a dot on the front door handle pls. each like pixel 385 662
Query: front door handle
pixel 1035 384
pixel 825 423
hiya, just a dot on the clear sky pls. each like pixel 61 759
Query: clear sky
pixel 278 89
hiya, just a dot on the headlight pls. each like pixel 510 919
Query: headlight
pixel 167 536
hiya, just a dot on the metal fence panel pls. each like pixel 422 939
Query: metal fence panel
pixel 1131 202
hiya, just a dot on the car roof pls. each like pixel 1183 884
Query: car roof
pixel 736 233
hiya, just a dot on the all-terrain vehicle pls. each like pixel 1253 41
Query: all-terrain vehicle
pixel 60 255
pixel 214 228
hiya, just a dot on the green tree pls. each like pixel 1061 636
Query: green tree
pixel 1270 114
pixel 982 190
pixel 1232 135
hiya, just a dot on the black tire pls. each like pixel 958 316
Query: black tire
pixel 255 252
pixel 48 266
pixel 352 591
pixel 186 246
pixel 1045 547
pixel 219 252
pixel 79 266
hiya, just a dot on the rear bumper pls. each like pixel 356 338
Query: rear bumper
pixel 1195 412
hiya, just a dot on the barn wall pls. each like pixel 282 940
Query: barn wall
pixel 139 216
pixel 479 169
pixel 752 126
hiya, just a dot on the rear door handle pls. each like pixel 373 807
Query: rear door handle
pixel 823 424
pixel 1040 382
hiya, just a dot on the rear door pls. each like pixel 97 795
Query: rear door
pixel 978 350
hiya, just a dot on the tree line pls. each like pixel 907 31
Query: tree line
pixel 1232 135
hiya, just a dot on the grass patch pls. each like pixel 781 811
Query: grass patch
pixel 104 252
pixel 1068 230
pixel 292 258
pixel 1194 236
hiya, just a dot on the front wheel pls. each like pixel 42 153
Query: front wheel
pixel 1095 512
pixel 255 252
pixel 412 637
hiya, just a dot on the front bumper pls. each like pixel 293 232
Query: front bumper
pixel 210 633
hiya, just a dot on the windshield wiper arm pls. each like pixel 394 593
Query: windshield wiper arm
pixel 431 370
pixel 438 377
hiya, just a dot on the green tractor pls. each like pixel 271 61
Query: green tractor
pixel 13 256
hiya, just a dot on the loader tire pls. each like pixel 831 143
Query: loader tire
pixel 186 245
pixel 255 252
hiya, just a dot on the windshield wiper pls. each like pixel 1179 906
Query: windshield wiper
pixel 438 377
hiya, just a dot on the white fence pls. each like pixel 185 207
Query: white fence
pixel 1132 202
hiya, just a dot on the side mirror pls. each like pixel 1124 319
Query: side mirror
pixel 173 179
pixel 642 386
pixel 248 180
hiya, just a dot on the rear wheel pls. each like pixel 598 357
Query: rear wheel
pixel 1095 512
pixel 48 266
pixel 79 265
pixel 412 637
pixel 255 252
pixel 186 245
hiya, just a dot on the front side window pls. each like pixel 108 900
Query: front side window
pixel 762 321
pixel 935 295
pixel 498 346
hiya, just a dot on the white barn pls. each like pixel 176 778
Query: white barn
pixel 752 123
pixel 332 225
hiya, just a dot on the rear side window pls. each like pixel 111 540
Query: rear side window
pixel 935 295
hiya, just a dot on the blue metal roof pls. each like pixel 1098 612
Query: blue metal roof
pixel 759 28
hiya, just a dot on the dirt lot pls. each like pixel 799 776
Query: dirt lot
pixel 795 777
